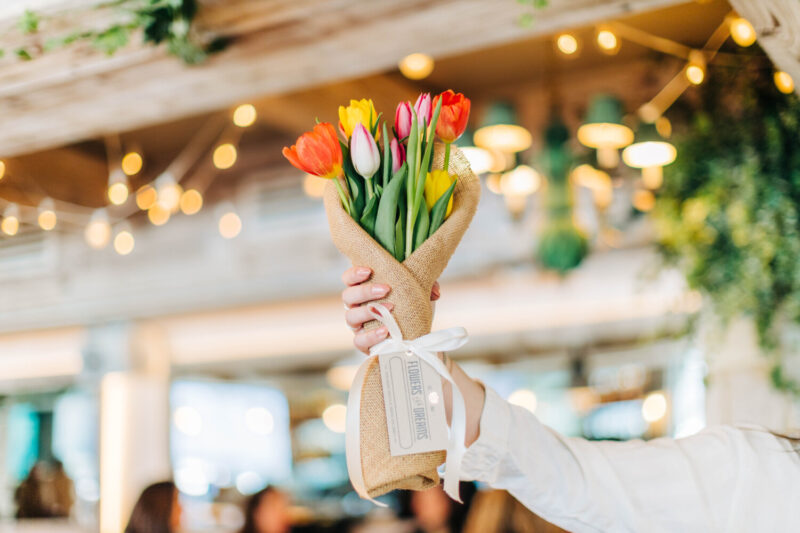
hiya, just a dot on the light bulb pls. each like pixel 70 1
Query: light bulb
pixel 169 192
pixel 742 32
pixel 224 156
pixel 230 225
pixel 10 224
pixel 98 231
pixel 335 417
pixel 784 82
pixel 2 169
pixel 696 69
pixel 47 218
pixel 654 407
pixel 124 242
pixel 191 202
pixel 522 181
pixel 118 193
pixel 132 163
pixel 245 115
pixel 145 197
pixel 608 41
pixel 157 215
pixel 643 200
pixel 567 44
pixel 416 66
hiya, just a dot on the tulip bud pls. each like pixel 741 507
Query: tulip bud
pixel 423 109
pixel 402 120
pixel 398 155
pixel 364 152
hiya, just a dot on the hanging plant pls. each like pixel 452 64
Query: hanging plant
pixel 562 246
pixel 728 213
pixel 168 22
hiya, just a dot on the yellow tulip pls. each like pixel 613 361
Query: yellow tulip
pixel 359 111
pixel 436 185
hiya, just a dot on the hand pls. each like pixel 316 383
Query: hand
pixel 359 292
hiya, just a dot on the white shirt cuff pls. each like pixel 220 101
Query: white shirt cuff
pixel 482 458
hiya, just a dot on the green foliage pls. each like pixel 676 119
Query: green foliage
pixel 29 22
pixel 528 18
pixel 728 212
pixel 562 246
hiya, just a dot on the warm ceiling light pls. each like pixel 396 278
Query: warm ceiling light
pixel 742 32
pixel 480 160
pixel 654 407
pixel 157 215
pixel 169 192
pixel 590 177
pixel 224 156
pixel 696 69
pixel 608 41
pixel 124 242
pixel 664 127
pixel 643 200
pixel 132 163
pixel 230 225
pixel 118 193
pixel 2 169
pixel 493 183
pixel 335 417
pixel 191 202
pixel 10 224
pixel 784 82
pixel 651 157
pixel 416 66
pixel 522 181
pixel 649 112
pixel 313 186
pixel 98 231
pixel 145 197
pixel 567 44
pixel 47 218
pixel 604 130
pixel 500 130
pixel 245 115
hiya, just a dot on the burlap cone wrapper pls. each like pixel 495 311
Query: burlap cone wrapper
pixel 411 284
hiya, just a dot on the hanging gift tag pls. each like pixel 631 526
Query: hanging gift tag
pixel 412 393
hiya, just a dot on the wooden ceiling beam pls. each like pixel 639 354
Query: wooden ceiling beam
pixel 74 94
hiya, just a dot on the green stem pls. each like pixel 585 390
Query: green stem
pixel 446 166
pixel 370 189
pixel 347 203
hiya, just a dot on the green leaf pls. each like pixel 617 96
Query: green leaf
pixel 426 162
pixel 112 39
pixel 399 237
pixel 29 22
pixel 368 218
pixel 387 156
pixel 387 211
pixel 421 226
pixel 440 209
pixel 23 54
pixel 355 183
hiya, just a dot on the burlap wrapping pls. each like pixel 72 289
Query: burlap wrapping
pixel 411 284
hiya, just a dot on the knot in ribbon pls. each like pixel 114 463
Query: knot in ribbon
pixel 426 348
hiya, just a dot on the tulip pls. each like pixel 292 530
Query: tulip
pixel 453 117
pixel 423 109
pixel 358 112
pixel 402 120
pixel 435 186
pixel 398 155
pixel 365 155
pixel 318 152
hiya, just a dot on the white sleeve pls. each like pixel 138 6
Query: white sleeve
pixel 722 479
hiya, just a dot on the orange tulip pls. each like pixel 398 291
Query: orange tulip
pixel 453 117
pixel 317 152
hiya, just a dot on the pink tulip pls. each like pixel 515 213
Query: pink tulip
pixel 364 152
pixel 398 155
pixel 423 109
pixel 402 120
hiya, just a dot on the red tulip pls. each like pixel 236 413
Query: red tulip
pixel 398 155
pixel 402 120
pixel 423 108
pixel 317 152
pixel 453 116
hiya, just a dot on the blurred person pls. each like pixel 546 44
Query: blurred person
pixel 724 478
pixel 30 496
pixel 158 510
pixel 267 511
pixel 62 491
pixel 496 511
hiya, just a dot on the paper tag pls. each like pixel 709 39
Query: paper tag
pixel 412 393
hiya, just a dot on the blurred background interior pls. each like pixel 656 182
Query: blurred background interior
pixel 169 301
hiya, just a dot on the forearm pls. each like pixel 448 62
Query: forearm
pixel 474 396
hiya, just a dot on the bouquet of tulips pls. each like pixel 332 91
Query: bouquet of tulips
pixel 400 209
pixel 392 192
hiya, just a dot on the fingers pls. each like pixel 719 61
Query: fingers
pixel 357 316
pixel 436 292
pixel 366 292
pixel 365 340
pixel 356 275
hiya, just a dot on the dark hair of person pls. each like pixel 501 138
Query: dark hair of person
pixel 251 507
pixel 153 511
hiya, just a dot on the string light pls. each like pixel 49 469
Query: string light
pixel 157 215
pixel 230 225
pixel 567 44
pixel 191 202
pixel 10 224
pixel 2 169
pixel 608 41
pixel 654 407
pixel 742 32
pixel 98 231
pixel 245 115
pixel 124 241
pixel 643 200
pixel 696 69
pixel 117 188
pixel 146 196
pixel 522 181
pixel 169 192
pixel 47 218
pixel 224 156
pixel 784 82
pixel 416 66
pixel 132 163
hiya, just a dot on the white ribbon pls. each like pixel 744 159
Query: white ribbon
pixel 426 348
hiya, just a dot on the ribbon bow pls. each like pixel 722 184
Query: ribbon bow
pixel 426 348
